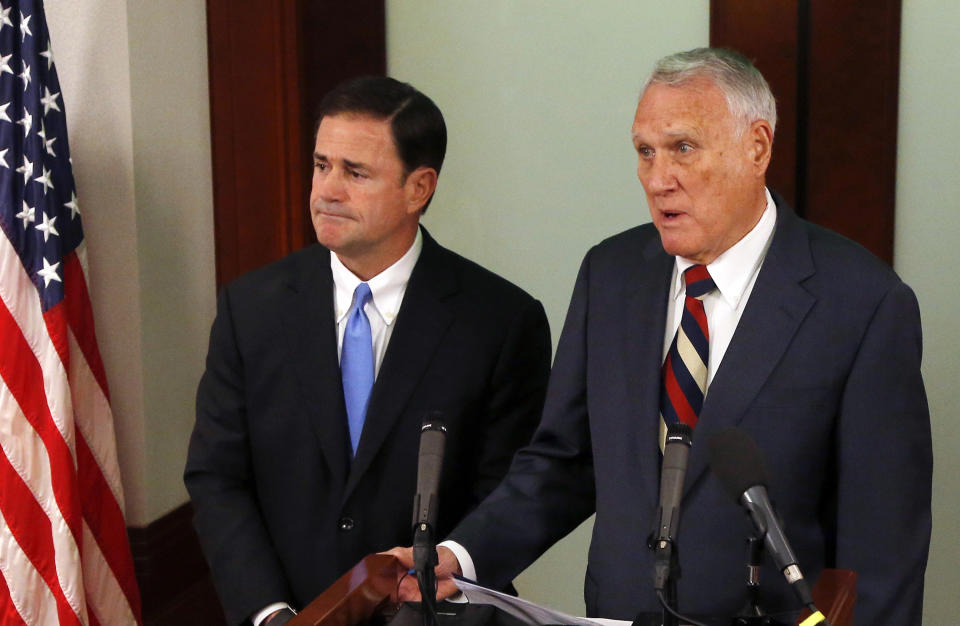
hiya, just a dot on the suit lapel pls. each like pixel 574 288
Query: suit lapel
pixel 423 320
pixel 310 328
pixel 773 314
pixel 643 328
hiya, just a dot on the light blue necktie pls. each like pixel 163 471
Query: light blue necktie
pixel 356 364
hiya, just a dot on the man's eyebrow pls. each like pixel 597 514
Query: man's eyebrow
pixel 355 165
pixel 690 131
pixel 351 164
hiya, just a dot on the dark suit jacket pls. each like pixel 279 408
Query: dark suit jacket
pixel 823 372
pixel 281 509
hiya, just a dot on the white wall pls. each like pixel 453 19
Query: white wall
pixel 538 98
pixel 134 81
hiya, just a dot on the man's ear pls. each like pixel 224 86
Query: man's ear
pixel 759 139
pixel 419 187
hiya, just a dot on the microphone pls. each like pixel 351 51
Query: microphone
pixel 737 462
pixel 672 472
pixel 433 435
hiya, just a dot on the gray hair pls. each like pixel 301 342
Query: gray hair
pixel 747 93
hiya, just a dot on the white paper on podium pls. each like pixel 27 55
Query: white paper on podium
pixel 524 610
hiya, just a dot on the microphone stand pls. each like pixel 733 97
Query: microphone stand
pixel 666 561
pixel 425 559
pixel 666 567
pixel 752 614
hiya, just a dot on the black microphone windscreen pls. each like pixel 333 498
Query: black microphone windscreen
pixel 736 460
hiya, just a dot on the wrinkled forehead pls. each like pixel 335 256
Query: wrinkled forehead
pixel 693 106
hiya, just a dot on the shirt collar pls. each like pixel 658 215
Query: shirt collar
pixel 732 270
pixel 386 288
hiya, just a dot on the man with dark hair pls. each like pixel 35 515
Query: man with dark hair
pixel 322 367
pixel 726 311
pixel 416 124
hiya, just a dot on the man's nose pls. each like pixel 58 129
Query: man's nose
pixel 329 187
pixel 657 175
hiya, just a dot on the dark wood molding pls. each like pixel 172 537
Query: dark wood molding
pixel 254 104
pixel 172 574
pixel 854 87
pixel 834 68
pixel 340 40
pixel 270 63
pixel 775 55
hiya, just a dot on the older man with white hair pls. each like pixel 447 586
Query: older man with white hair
pixel 726 311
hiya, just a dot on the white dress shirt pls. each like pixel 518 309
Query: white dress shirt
pixel 734 272
pixel 387 289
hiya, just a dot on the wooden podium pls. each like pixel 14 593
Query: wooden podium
pixel 835 594
pixel 370 589
pixel 366 590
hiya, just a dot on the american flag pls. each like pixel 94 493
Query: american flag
pixel 64 556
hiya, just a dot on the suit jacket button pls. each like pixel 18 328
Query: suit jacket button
pixel 345 524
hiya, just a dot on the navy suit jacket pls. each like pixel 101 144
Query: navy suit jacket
pixel 823 372
pixel 281 508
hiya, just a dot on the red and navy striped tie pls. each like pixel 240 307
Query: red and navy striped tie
pixel 685 368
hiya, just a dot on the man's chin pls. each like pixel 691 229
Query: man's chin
pixel 330 236
pixel 675 247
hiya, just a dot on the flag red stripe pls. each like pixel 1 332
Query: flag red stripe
pixel 8 612
pixel 101 510
pixel 105 519
pixel 33 532
pixel 80 317
pixel 56 322
pixel 25 379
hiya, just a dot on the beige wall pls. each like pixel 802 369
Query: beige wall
pixel 134 80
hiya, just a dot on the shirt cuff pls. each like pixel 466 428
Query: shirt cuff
pixel 261 615
pixel 467 569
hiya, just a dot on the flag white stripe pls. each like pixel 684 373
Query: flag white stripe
pixel 107 601
pixel 94 419
pixel 24 306
pixel 25 450
pixel 30 595
pixel 91 416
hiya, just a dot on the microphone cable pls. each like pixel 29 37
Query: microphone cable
pixel 679 616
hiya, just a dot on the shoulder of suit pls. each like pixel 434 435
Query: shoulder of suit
pixel 638 235
pixel 472 276
pixel 846 261
pixel 635 244
pixel 279 274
